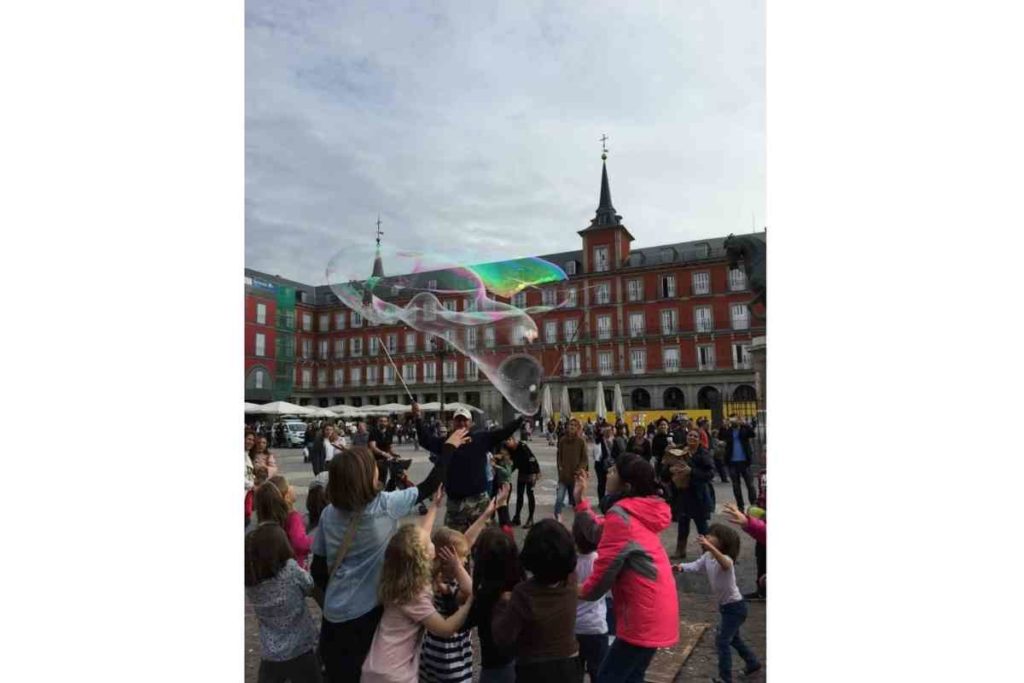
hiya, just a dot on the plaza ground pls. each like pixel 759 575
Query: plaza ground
pixel 695 601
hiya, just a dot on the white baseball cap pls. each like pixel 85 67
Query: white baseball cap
pixel 462 412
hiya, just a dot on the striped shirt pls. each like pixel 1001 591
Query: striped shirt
pixel 447 659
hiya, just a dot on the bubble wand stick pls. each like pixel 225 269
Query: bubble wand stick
pixel 397 373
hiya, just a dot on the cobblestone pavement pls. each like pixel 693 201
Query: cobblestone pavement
pixel 695 600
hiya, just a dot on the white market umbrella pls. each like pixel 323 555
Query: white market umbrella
pixel 599 406
pixel 396 408
pixel 619 406
pixel 547 410
pixel 435 406
pixel 285 408
pixel 566 408
pixel 253 408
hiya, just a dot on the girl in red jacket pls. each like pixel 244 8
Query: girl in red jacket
pixel 275 501
pixel 632 562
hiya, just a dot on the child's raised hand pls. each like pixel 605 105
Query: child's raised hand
pixel 734 514
pixel 449 558
pixel 704 542
pixel 438 496
pixel 580 486
pixel 677 568
pixel 459 437
pixel 503 494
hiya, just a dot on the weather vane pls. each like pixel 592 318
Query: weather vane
pixel 604 148
pixel 379 233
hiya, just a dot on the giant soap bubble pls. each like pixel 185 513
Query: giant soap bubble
pixel 490 332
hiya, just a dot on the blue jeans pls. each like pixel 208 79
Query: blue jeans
pixel 625 663
pixel 560 493
pixel 593 648
pixel 733 616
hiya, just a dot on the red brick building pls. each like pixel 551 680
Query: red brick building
pixel 668 323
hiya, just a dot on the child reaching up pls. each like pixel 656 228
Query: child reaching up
pixel 277 588
pixel 449 658
pixel 537 620
pixel 406 595
pixel 275 502
pixel 722 547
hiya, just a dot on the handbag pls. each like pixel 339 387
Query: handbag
pixel 350 534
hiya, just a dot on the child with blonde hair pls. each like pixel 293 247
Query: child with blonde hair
pixel 408 600
pixel 449 658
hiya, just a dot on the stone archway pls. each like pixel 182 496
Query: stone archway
pixel 673 399
pixel 710 398
pixel 640 399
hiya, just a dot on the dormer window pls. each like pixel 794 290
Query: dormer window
pixel 570 267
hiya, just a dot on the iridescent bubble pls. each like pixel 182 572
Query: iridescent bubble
pixel 490 332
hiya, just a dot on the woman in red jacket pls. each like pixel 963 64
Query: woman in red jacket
pixel 633 564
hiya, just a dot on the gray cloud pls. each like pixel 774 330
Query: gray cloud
pixel 473 127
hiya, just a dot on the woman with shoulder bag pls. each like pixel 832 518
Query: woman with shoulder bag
pixel 348 551
pixel 695 499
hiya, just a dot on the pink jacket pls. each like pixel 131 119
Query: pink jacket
pixel 301 543
pixel 757 528
pixel 632 562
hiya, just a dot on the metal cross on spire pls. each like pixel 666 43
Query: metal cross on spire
pixel 604 148
pixel 379 233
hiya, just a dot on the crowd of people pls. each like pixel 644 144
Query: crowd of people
pixel 399 602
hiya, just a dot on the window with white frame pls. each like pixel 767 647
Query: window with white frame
pixel 701 282
pixel 737 279
pixel 741 356
pixel 409 373
pixel 570 268
pixel 635 289
pixel 261 344
pixel 470 337
pixel 638 361
pixel 468 305
pixel 518 335
pixel 339 320
pixel 519 299
pixel 321 378
pixel 450 370
pixel 472 372
pixel 569 329
pixel 357 319
pixel 430 310
pixel 356 346
pixel 705 357
pixel 371 375
pixel 325 322
pixel 740 317
pixel 261 314
pixel 451 304
pixel 489 337
pixel 339 377
pixel 307 348
pixel 410 342
pixel 392 341
pixel 356 375
pixel 550 331
pixel 702 319
pixel 339 348
pixel 374 348
pixel 570 296
pixel 548 296
pixel 603 293
pixel 571 364
pixel 258 379
pixel 636 324
pixel 431 285
pixel 389 374
pixel 669 321
pixel 668 286
pixel 604 362
pixel 600 259
pixel 307 377
pixel 323 347
pixel 307 322
pixel 670 358
pixel 430 372
pixel 431 343
pixel 604 327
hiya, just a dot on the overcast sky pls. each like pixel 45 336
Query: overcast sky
pixel 473 127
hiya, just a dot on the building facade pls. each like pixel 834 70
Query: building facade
pixel 669 324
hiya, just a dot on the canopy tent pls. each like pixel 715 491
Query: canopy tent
pixel 252 408
pixel 547 409
pixel 619 406
pixel 599 407
pixel 386 409
pixel 285 408
pixel 566 407
pixel 435 406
